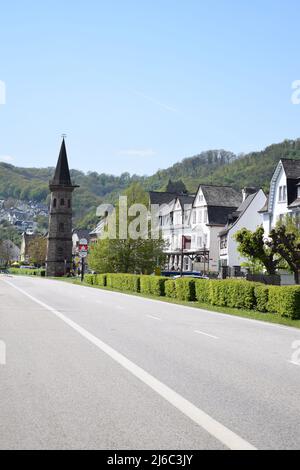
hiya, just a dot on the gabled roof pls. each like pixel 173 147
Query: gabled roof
pixel 160 197
pixel 235 216
pixel 291 168
pixel 221 196
pixel 186 200
pixel 218 215
pixel 82 233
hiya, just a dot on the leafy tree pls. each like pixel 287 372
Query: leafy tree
pixel 252 245
pixel 37 250
pixel 287 244
pixel 128 255
pixel 176 187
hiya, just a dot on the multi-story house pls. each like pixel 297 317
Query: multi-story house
pixel 284 195
pixel 247 215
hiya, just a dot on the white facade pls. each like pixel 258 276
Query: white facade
pixel 250 219
pixel 278 200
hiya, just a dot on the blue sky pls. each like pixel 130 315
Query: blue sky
pixel 138 85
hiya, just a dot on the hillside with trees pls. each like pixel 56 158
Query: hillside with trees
pixel 210 167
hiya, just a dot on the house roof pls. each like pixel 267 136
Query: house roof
pixel 218 215
pixel 236 215
pixel 160 197
pixel 221 196
pixel 82 233
pixel 291 168
pixel 265 208
pixel 186 200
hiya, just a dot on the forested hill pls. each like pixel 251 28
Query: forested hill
pixel 214 167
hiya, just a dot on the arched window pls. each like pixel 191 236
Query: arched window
pixel 61 227
pixel 54 202
pixel 62 202
pixel 69 203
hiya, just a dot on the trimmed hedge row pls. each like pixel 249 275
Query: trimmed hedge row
pixel 26 272
pixel 284 301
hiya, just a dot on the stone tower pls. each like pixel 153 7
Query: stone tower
pixel 59 247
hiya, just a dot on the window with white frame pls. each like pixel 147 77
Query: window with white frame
pixel 205 216
pixel 282 194
pixel 194 217
pixel 200 216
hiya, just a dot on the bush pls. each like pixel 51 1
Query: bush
pixel 170 289
pixel 185 289
pixel 285 301
pixel 261 293
pixel 127 282
pixel 153 285
pixel 89 279
pixel 231 293
pixel 202 290
pixel 100 280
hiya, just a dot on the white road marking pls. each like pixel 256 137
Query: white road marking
pixel 209 424
pixel 205 334
pixel 295 363
pixel 154 318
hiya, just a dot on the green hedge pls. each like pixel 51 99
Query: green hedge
pixel 127 282
pixel 284 301
pixel 202 290
pixel 170 289
pixel 26 272
pixel 261 293
pixel 153 285
pixel 100 280
pixel 185 289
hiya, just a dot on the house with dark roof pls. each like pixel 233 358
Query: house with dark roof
pixel 246 216
pixel 191 223
pixel 284 195
pixel 210 210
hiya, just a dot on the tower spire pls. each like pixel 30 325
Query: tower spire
pixel 62 172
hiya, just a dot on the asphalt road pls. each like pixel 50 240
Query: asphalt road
pixel 92 369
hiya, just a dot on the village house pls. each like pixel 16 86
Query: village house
pixel 246 216
pixel 284 195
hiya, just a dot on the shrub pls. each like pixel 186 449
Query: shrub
pixel 185 289
pixel 154 285
pixel 127 282
pixel 170 289
pixel 89 279
pixel 100 280
pixel 285 301
pixel 202 290
pixel 261 293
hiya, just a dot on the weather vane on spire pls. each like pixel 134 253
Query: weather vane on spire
pixel 64 136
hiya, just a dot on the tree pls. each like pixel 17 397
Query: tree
pixel 252 245
pixel 287 244
pixel 37 250
pixel 133 254
pixel 176 187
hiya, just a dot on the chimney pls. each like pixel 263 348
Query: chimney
pixel 247 192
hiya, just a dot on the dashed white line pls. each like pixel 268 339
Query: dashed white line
pixel 202 419
pixel 205 334
pixel 153 317
pixel 294 363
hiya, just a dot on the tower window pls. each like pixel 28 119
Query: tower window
pixel 69 203
pixel 62 202
pixel 54 202
pixel 61 227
